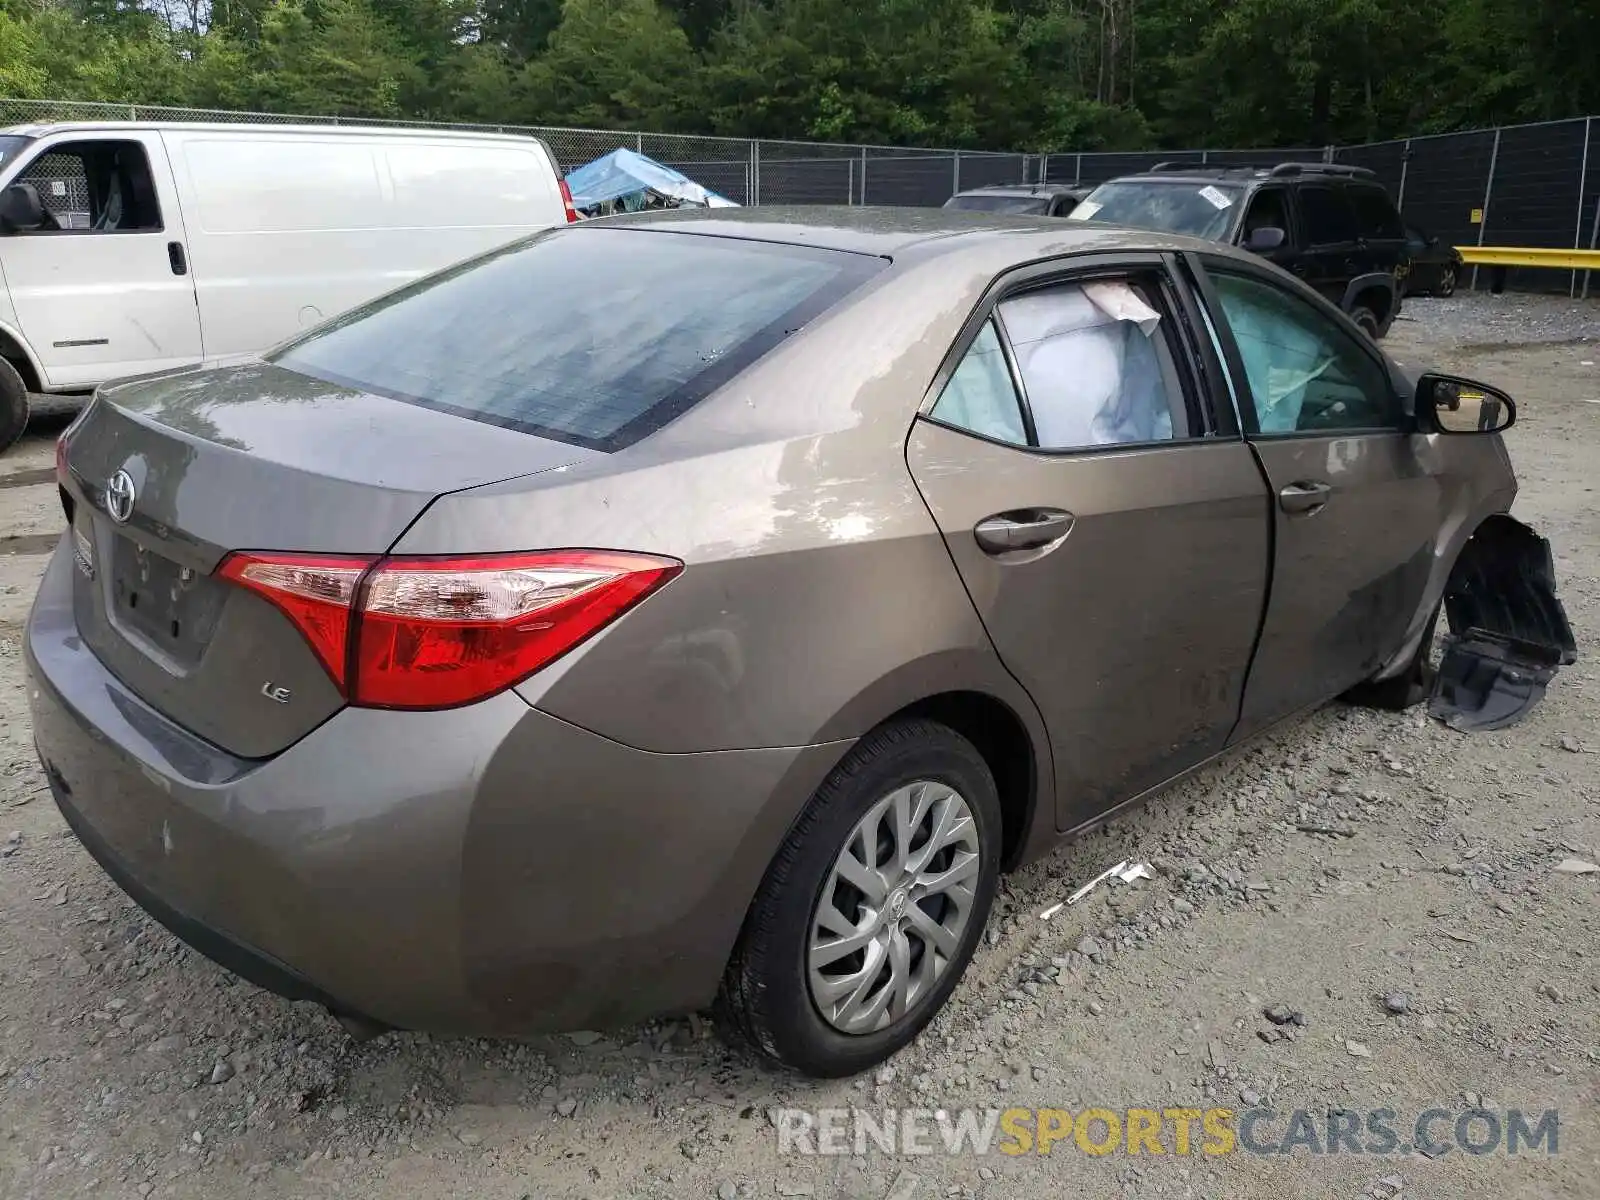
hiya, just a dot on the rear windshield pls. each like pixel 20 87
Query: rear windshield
pixel 1197 209
pixel 596 337
pixel 1000 204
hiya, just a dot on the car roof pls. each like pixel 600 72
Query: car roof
pixel 907 233
pixel 1286 172
pixel 251 128
pixel 1019 189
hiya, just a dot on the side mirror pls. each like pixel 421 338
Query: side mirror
pixel 1265 238
pixel 21 208
pixel 1450 404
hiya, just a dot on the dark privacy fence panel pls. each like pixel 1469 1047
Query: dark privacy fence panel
pixel 1535 195
pixel 921 181
pixel 1097 168
pixel 1447 179
pixel 1264 158
pixel 1589 281
pixel 990 170
pixel 1386 160
pixel 810 181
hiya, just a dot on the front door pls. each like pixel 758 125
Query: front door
pixel 1357 500
pixel 103 288
pixel 1115 546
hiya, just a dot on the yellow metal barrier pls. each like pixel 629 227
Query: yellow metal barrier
pixel 1498 258
pixel 1530 256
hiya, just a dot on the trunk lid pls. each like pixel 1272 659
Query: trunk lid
pixel 253 457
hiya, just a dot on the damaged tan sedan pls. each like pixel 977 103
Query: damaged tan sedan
pixel 695 607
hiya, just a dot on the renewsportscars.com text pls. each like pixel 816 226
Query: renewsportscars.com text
pixel 1176 1131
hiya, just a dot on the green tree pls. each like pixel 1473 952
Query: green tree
pixel 337 58
pixel 613 62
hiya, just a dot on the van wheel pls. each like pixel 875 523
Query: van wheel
pixel 872 907
pixel 13 405
pixel 1447 283
pixel 1366 319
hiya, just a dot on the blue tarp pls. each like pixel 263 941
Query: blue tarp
pixel 624 173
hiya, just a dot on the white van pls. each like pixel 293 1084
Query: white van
pixel 128 247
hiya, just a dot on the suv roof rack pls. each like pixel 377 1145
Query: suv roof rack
pixel 1294 168
pixel 1270 169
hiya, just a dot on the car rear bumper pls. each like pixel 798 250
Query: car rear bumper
pixel 490 869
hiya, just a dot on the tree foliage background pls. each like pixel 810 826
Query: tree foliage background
pixel 1017 74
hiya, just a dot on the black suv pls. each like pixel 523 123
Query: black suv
pixel 1334 226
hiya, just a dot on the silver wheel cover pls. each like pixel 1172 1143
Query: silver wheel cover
pixel 892 912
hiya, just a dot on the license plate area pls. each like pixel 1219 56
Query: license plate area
pixel 171 606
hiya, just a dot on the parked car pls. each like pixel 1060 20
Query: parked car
pixel 1038 199
pixel 1436 265
pixel 483 664
pixel 1333 226
pixel 134 247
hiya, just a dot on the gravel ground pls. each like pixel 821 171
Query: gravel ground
pixel 1511 319
pixel 1427 954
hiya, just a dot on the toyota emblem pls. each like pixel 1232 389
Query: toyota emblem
pixel 119 497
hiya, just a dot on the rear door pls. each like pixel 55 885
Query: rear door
pixel 1358 498
pixel 1328 239
pixel 1111 530
pixel 1381 232
pixel 104 289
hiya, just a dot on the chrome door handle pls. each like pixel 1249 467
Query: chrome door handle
pixel 1022 529
pixel 1306 496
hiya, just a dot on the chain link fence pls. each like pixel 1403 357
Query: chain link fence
pixel 1523 185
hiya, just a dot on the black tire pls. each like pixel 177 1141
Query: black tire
pixel 1367 319
pixel 13 405
pixel 1407 689
pixel 765 997
pixel 1447 283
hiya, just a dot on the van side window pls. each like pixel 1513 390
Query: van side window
pixel 95 187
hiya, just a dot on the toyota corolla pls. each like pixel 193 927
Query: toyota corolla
pixel 692 608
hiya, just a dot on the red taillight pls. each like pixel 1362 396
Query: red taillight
pixel 566 202
pixel 313 591
pixel 440 632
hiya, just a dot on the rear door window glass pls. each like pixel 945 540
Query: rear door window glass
pixel 1375 213
pixel 596 337
pixel 980 396
pixel 1326 216
pixel 1095 365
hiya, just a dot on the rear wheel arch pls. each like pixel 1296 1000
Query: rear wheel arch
pixel 999 734
pixel 1375 293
